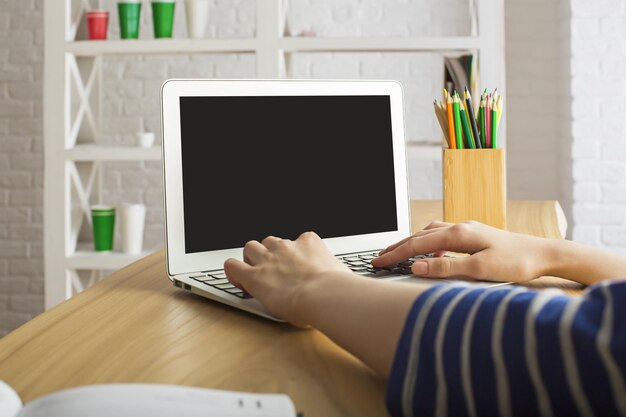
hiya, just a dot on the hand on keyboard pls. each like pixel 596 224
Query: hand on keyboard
pixel 361 263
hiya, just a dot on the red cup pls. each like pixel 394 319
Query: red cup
pixel 97 24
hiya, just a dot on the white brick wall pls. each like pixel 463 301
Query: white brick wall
pixel 131 103
pixel 534 97
pixel 598 151
pixel 21 162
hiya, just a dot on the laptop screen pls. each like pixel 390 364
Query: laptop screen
pixel 283 165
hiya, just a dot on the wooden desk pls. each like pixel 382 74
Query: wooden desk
pixel 134 326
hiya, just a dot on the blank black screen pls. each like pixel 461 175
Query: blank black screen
pixel 259 166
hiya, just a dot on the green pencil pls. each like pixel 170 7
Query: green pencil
pixel 494 128
pixel 457 122
pixel 483 123
pixel 472 118
pixel 466 128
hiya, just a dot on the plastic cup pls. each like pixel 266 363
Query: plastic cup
pixel 129 16
pixel 133 218
pixel 97 24
pixel 103 226
pixel 197 12
pixel 145 139
pixel 163 18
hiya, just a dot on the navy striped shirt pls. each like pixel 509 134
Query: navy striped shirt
pixel 469 350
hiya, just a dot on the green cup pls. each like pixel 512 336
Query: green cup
pixel 163 18
pixel 103 224
pixel 129 13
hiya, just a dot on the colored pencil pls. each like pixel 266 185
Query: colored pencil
pixel 481 118
pixel 466 125
pixel 468 135
pixel 458 130
pixel 472 117
pixel 494 127
pixel 488 120
pixel 466 128
pixel 451 123
pixel 441 118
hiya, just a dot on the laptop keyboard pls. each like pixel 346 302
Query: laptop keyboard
pixel 359 263
pixel 218 280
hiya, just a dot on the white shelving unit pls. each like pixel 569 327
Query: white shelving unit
pixel 73 111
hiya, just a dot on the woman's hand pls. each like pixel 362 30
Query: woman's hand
pixel 277 271
pixel 495 255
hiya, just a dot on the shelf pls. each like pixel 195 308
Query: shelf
pixel 103 260
pixel 113 153
pixel 288 44
pixel 160 46
pixel 303 44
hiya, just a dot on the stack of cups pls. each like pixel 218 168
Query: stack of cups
pixel 163 18
pixel 129 13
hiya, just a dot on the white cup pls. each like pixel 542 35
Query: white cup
pixel 197 12
pixel 133 217
pixel 145 139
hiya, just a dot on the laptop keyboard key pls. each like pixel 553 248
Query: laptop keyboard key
pixel 219 281
pixel 224 286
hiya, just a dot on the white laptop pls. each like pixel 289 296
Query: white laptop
pixel 244 159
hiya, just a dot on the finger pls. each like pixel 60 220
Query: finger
pixel 444 267
pixel 432 227
pixel 395 245
pixel 439 253
pixel 238 273
pixel 309 240
pixel 308 237
pixel 270 242
pixel 420 245
pixel 253 252
pixel 437 224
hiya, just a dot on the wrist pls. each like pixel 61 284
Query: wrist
pixel 584 264
pixel 557 257
pixel 312 298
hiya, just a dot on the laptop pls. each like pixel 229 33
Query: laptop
pixel 244 159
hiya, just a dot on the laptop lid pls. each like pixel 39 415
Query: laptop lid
pixel 244 159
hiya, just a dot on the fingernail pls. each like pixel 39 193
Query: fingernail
pixel 420 268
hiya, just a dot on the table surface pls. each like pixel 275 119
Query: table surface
pixel 134 326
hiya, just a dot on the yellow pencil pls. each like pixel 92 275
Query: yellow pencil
pixel 443 115
pixel 442 121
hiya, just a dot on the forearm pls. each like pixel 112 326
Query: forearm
pixel 364 316
pixel 583 264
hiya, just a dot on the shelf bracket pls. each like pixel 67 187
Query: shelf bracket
pixel 77 284
pixel 83 194
pixel 84 92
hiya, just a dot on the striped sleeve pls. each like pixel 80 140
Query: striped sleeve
pixel 469 350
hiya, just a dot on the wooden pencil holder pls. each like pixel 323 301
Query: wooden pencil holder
pixel 474 186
